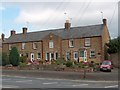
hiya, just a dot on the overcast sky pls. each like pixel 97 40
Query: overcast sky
pixel 39 16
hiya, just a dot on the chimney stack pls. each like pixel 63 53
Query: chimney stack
pixel 24 30
pixel 13 32
pixel 105 21
pixel 67 24
pixel 3 37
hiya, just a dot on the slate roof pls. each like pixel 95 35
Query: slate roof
pixel 74 32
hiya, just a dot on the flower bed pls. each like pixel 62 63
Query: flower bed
pixel 49 67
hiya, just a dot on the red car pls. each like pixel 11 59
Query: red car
pixel 106 65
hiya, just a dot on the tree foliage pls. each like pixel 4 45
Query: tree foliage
pixel 5 59
pixel 14 57
pixel 114 46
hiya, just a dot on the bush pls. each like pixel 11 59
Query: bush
pixel 60 61
pixel 5 59
pixel 14 57
pixel 81 65
pixel 76 62
pixel 23 59
pixel 69 64
pixel 22 64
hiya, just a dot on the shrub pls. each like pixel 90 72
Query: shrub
pixel 23 59
pixel 5 59
pixel 60 61
pixel 69 64
pixel 22 64
pixel 76 62
pixel 14 57
pixel 81 65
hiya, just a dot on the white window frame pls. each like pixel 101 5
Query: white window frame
pixel 70 43
pixel 51 44
pixel 87 42
pixel 38 57
pixel 55 54
pixel 91 53
pixel 10 46
pixel 21 55
pixel 34 45
pixel 32 58
pixel 23 45
pixel 75 58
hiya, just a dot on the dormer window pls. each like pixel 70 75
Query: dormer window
pixel 34 45
pixel 87 42
pixel 51 44
pixel 23 45
pixel 71 43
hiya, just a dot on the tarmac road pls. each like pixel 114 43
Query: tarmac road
pixel 35 82
pixel 47 80
pixel 105 76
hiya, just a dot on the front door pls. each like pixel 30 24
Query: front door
pixel 83 56
pixel 32 57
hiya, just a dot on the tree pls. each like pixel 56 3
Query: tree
pixel 114 46
pixel 5 59
pixel 14 57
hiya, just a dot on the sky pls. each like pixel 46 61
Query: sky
pixel 39 16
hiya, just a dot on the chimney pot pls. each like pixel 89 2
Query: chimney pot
pixel 3 37
pixel 67 24
pixel 24 30
pixel 104 21
pixel 13 32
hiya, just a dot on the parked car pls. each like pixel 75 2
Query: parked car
pixel 106 65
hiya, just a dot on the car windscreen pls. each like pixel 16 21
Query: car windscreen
pixel 106 63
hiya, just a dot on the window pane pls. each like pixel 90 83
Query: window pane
pixel 34 45
pixel 47 56
pixel 26 54
pixel 38 55
pixel 71 43
pixel 10 46
pixel 68 56
pixel 81 53
pixel 87 41
pixel 92 54
pixel 56 55
pixel 23 45
pixel 51 44
pixel 75 55
pixel 52 55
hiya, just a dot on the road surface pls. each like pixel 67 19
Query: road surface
pixel 33 82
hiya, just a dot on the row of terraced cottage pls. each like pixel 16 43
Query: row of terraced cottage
pixel 83 43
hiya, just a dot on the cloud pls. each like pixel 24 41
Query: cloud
pixel 38 16
pixel 46 15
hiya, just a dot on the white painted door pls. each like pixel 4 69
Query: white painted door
pixel 85 56
pixel 32 57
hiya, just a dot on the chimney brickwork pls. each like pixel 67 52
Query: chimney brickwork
pixel 67 24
